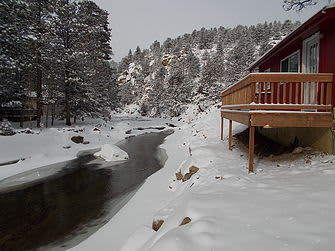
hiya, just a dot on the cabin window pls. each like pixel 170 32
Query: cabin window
pixel 290 63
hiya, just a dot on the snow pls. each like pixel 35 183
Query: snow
pixel 289 207
pixel 112 153
pixel 47 146
pixel 287 204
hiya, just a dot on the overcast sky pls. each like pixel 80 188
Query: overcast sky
pixel 140 22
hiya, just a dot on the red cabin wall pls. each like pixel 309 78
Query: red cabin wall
pixel 273 63
pixel 326 53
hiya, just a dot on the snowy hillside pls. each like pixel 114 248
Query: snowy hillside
pixel 193 68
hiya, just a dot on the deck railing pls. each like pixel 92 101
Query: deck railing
pixel 304 89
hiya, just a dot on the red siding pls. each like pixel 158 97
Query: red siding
pixel 274 62
pixel 326 53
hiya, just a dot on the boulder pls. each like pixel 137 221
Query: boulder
pixel 77 139
pixel 179 175
pixel 86 142
pixel 156 224
pixel 187 176
pixel 185 221
pixel 193 169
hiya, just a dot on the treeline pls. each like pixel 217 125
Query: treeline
pixel 194 68
pixel 54 54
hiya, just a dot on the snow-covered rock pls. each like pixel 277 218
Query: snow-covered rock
pixel 112 153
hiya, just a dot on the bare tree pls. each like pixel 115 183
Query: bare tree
pixel 298 5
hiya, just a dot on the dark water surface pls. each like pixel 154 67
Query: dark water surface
pixel 62 209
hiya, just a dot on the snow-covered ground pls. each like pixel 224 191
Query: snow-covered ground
pixel 286 205
pixel 41 147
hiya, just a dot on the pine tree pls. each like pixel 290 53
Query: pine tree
pixel 137 55
pixel 92 53
pixel 192 65
pixel 39 18
pixel 124 64
pixel 14 36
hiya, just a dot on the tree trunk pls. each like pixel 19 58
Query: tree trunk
pixel 53 108
pixel 39 91
pixel 22 117
pixel 67 99
pixel 46 116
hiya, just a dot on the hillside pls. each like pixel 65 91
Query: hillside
pixel 193 68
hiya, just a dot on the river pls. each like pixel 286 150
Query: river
pixel 65 203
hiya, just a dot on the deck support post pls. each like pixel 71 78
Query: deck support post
pixel 222 126
pixel 230 135
pixel 251 148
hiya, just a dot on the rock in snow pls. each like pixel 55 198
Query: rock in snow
pixel 77 139
pixel 156 224
pixel 112 153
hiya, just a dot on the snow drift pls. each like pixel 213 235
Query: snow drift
pixel 112 153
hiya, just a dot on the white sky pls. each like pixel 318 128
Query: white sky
pixel 140 22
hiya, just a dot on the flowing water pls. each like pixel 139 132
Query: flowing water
pixel 58 206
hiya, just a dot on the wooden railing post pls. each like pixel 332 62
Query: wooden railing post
pixel 284 93
pixel 230 135
pixel 296 100
pixel 251 148
pixel 290 94
pixel 322 102
pixel 252 97
pixel 329 94
pixel 222 127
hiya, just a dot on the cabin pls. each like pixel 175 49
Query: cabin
pixel 288 95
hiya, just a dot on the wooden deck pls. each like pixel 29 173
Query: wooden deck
pixel 273 100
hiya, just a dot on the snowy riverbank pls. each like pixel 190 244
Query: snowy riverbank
pixel 40 147
pixel 285 205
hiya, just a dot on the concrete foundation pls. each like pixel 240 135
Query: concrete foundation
pixel 319 138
